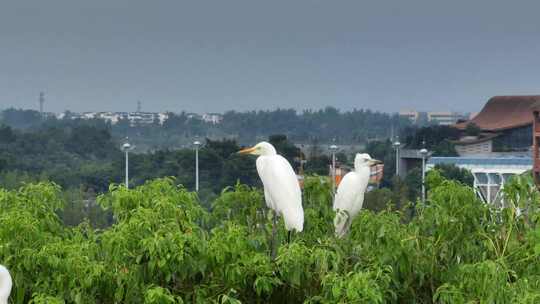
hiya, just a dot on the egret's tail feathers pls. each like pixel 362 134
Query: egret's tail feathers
pixel 294 220
pixel 295 224
pixel 341 223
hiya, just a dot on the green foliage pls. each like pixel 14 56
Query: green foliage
pixel 356 287
pixel 317 203
pixel 160 295
pixel 70 155
pixel 434 138
pixel 452 172
pixel 472 129
pixel 241 204
pixel 318 164
pixel 413 180
pixel 285 148
pixel 18 118
pixel 378 199
pixel 163 247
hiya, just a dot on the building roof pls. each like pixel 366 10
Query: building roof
pixel 504 112
pixel 474 139
pixel 490 161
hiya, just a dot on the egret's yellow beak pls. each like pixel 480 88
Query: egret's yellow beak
pixel 374 162
pixel 247 150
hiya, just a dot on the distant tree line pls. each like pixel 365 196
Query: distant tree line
pixel 83 155
pixel 179 130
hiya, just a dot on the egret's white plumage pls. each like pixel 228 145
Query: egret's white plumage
pixel 281 189
pixel 350 193
pixel 5 285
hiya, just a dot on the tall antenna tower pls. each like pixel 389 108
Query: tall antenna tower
pixel 41 102
pixel 138 106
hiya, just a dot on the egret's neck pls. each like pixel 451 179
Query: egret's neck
pixel 363 170
pixel 5 285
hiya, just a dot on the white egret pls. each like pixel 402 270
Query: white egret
pixel 5 285
pixel 350 193
pixel 281 188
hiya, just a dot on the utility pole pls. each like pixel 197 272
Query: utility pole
pixel 333 148
pixel 197 144
pixel 127 147
pixel 396 146
pixel 424 153
pixel 41 102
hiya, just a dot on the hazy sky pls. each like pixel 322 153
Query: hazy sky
pixel 247 54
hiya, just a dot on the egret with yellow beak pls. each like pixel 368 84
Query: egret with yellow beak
pixel 281 188
pixel 350 193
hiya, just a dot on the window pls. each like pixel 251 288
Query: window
pixel 514 140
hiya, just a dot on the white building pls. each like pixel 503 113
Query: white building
pixel 411 115
pixel 438 118
pixel 445 118
pixel 490 173
pixel 135 118
pixel 213 118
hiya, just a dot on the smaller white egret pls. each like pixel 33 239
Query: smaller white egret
pixel 350 193
pixel 5 285
pixel 281 188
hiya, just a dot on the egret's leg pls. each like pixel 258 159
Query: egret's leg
pixel 288 237
pixel 274 230
pixel 347 226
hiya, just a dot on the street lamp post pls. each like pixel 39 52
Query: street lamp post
pixel 396 146
pixel 197 144
pixel 424 153
pixel 302 165
pixel 126 147
pixel 333 148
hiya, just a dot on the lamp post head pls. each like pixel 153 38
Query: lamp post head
pixel 333 148
pixel 396 144
pixel 197 143
pixel 424 152
pixel 126 146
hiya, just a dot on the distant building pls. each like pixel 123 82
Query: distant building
pixel 213 118
pixel 134 118
pixel 138 118
pixel 445 118
pixel 505 128
pixel 495 144
pixel 143 118
pixel 88 115
pixel 436 118
pixel 162 117
pixel 412 116
pixel 194 116
pixel 409 159
pixel 472 115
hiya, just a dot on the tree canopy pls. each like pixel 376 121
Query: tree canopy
pixel 164 247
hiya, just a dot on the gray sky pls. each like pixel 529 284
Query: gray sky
pixel 247 54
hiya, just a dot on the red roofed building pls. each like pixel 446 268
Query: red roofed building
pixel 505 128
